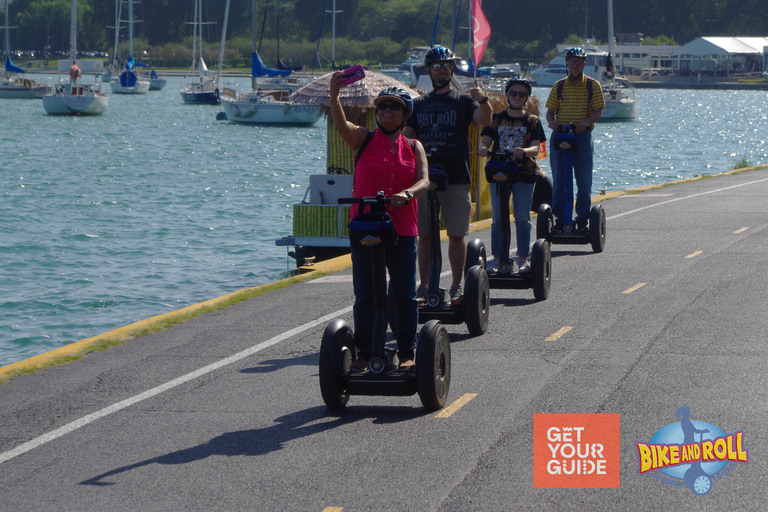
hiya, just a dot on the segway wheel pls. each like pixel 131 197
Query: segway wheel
pixel 477 300
pixel 476 255
pixel 597 228
pixel 337 350
pixel 544 222
pixel 433 365
pixel 541 269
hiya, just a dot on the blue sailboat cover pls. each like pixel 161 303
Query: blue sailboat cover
pixel 259 69
pixel 9 67
pixel 128 79
pixel 130 64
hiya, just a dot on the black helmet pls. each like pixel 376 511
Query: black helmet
pixel 397 94
pixel 575 52
pixel 439 54
pixel 517 80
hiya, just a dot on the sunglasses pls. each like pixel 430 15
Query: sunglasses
pixel 437 66
pixel 395 107
pixel 515 94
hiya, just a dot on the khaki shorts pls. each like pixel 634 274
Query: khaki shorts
pixel 455 206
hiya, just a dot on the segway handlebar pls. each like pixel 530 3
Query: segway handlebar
pixel 505 155
pixel 567 128
pixel 378 199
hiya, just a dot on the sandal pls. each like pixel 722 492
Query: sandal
pixel 407 365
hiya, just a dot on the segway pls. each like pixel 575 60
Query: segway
pixel 473 310
pixel 430 378
pixel 503 172
pixel 567 141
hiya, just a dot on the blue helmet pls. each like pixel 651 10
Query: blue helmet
pixel 575 52
pixel 397 94
pixel 439 54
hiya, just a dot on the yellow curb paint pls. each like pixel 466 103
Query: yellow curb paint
pixel 126 332
pixel 632 289
pixel 456 405
pixel 559 334
pixel 694 254
pixel 333 509
pixel 741 230
pixel 332 265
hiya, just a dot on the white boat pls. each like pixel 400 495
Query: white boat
pixel 555 70
pixel 129 82
pixel 156 82
pixel 75 97
pixel 12 85
pixel 620 95
pixel 267 107
pixel 203 88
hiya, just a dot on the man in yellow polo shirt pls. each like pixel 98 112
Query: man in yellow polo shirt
pixel 576 99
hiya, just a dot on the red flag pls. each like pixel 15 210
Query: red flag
pixel 481 30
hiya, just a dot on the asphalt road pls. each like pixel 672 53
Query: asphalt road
pixel 224 412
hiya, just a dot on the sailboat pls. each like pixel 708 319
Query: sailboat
pixel 75 97
pixel 620 95
pixel 12 85
pixel 128 82
pixel 265 105
pixel 201 89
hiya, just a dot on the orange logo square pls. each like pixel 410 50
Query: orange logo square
pixel 576 450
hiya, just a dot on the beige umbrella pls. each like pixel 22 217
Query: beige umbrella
pixel 358 94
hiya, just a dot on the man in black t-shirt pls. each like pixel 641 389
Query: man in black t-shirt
pixel 441 120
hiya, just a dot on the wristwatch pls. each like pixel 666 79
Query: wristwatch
pixel 409 194
pixel 484 100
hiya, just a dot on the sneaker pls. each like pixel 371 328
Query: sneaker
pixel 492 265
pixel 582 228
pixel 558 228
pixel 523 266
pixel 421 293
pixel 457 295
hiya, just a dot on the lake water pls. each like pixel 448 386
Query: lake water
pixel 156 205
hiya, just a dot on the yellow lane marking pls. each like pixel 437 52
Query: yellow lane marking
pixel 333 509
pixel 633 288
pixel 741 230
pixel 559 333
pixel 455 406
pixel 694 254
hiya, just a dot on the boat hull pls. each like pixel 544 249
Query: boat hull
pixel 275 113
pixel 88 103
pixel 141 87
pixel 23 89
pixel 620 110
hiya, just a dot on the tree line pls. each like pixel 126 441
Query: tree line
pixel 371 31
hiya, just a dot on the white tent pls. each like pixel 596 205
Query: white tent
pixel 731 54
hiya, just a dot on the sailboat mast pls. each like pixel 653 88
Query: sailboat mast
pixel 194 37
pixel 610 27
pixel 130 27
pixel 7 41
pixel 223 40
pixel 73 32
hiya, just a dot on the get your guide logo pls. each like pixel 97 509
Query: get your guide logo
pixel 691 453
pixel 576 450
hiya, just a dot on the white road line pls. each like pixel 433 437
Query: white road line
pixel 70 427
pixel 683 198
pixel 85 420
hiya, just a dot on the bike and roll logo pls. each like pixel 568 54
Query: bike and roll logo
pixel 691 453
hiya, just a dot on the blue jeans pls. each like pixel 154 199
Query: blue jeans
pixel 581 162
pixel 522 197
pixel 401 263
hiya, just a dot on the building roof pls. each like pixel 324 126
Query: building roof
pixel 702 46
